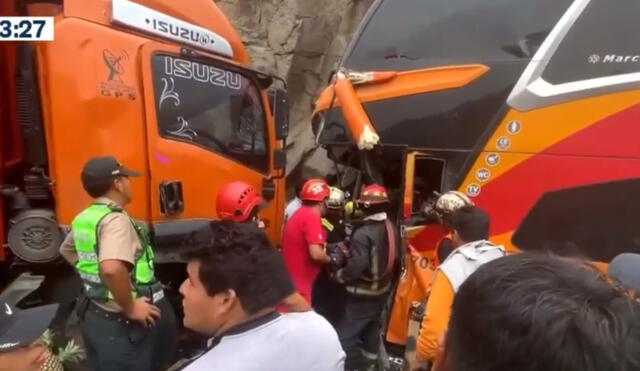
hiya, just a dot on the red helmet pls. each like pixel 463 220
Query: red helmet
pixel 373 194
pixel 236 201
pixel 315 190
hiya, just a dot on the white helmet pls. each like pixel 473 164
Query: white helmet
pixel 451 201
pixel 336 198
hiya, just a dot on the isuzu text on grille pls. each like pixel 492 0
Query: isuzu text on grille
pixel 201 72
pixel 181 32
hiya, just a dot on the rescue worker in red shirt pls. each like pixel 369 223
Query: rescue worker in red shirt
pixel 304 239
pixel 239 202
pixel 368 278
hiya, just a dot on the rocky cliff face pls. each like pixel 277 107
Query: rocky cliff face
pixel 301 41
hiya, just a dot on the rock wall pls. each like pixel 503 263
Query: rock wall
pixel 302 41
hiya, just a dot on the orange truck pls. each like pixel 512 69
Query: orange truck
pixel 165 86
pixel 532 108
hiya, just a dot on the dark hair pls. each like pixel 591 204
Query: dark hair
pixel 471 223
pixel 97 189
pixel 238 256
pixel 531 312
pixel 375 208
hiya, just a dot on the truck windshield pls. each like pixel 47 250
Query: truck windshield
pixel 412 34
pixel 211 106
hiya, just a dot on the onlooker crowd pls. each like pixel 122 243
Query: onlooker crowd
pixel 254 304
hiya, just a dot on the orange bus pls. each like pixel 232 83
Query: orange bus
pixel 529 107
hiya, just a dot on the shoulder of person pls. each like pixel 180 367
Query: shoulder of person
pixel 117 223
pixel 302 316
pixel 368 227
pixel 453 260
pixel 116 218
pixel 309 327
pixel 310 216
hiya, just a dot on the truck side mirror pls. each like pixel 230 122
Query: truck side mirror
pixel 280 159
pixel 281 113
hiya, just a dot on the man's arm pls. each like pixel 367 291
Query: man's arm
pixel 116 277
pixel 318 254
pixel 68 249
pixel 117 246
pixel 359 260
pixel 436 318
pixel 314 235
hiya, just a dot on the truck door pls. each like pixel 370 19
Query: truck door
pixel 206 126
pixel 423 175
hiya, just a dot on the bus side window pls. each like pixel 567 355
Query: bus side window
pixel 428 176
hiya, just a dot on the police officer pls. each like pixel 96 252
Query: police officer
pixel 368 278
pixel 126 322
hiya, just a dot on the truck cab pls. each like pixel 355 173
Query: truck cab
pixel 165 87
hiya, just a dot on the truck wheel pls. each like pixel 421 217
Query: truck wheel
pixel 34 236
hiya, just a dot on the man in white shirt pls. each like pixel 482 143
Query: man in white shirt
pixel 292 207
pixel 295 203
pixel 231 294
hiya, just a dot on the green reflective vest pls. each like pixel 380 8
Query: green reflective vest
pixel 85 236
pixel 327 225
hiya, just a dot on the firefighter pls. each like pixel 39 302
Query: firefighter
pixel 125 320
pixel 367 277
pixel 333 220
pixel 328 295
pixel 472 248
pixel 446 205
pixel 304 238
pixel 239 202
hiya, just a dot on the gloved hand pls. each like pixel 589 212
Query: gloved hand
pixel 348 229
pixel 429 212
pixel 337 260
pixel 338 253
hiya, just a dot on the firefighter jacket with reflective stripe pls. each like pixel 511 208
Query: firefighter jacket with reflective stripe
pixel 365 273
pixel 86 237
